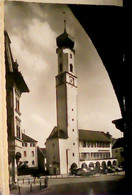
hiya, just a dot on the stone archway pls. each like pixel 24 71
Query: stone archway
pixel 114 163
pixel 91 164
pixel 103 164
pixel 109 163
pixel 97 164
pixel 84 165
pixel 18 156
pixel 73 168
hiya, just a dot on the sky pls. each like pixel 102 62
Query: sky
pixel 33 29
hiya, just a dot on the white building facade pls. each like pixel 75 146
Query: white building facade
pixel 15 87
pixel 95 149
pixel 29 151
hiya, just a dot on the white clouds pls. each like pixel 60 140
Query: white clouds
pixel 41 34
pixel 33 35
pixel 39 120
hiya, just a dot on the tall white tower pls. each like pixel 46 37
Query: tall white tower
pixel 66 97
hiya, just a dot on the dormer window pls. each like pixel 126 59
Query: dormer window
pixel 61 67
pixel 71 68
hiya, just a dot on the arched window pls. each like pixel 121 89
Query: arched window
pixel 61 67
pixel 71 68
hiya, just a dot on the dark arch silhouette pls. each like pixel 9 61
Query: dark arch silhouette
pixel 73 168
pixel 91 164
pixel 109 163
pixel 114 163
pixel 104 164
pixel 84 165
pixel 112 41
pixel 97 164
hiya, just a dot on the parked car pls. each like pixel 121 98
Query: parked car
pixel 82 172
pixel 111 170
pixel 118 169
pixel 104 171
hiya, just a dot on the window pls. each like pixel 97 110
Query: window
pixel 70 55
pixel 108 145
pixel 32 144
pixel 18 131
pixel 74 144
pixel 73 130
pixel 94 144
pixel 24 144
pixel 32 153
pixel 33 162
pixel 25 153
pixel 17 105
pixel 61 67
pixel 73 154
pixel 88 144
pixel 71 68
pixel 72 109
pixel 72 119
pixel 84 143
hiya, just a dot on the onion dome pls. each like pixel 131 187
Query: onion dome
pixel 65 40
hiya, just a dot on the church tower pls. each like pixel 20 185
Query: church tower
pixel 66 97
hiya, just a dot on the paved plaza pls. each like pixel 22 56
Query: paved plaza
pixel 92 185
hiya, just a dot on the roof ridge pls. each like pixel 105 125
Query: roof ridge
pixel 23 134
pixel 91 130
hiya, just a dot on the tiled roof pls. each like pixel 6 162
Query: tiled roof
pixel 90 135
pixel 57 134
pixel 26 138
pixel 86 135
pixel 14 74
pixel 119 143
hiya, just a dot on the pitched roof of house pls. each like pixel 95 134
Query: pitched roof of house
pixel 26 138
pixel 13 73
pixel 57 134
pixel 90 135
pixel 86 135
pixel 119 143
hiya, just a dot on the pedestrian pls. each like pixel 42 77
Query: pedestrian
pixel 46 182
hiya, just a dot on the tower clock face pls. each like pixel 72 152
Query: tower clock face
pixel 71 80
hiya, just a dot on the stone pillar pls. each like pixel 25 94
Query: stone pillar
pixel 4 172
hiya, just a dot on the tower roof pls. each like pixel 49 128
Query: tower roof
pixel 65 40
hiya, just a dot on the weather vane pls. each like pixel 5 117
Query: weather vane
pixel 64 22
